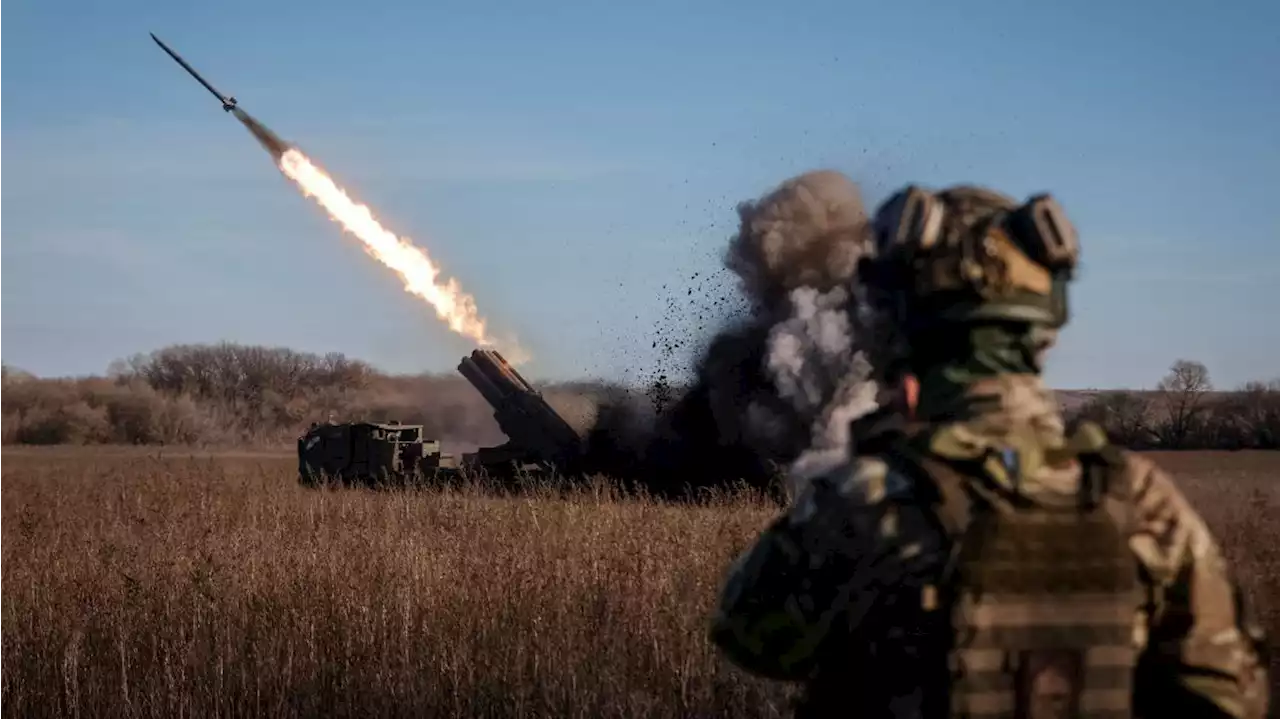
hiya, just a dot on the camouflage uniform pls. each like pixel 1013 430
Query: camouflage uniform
pixel 847 592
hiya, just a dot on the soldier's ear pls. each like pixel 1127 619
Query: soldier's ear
pixel 910 393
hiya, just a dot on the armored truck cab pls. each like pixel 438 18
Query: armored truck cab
pixel 367 453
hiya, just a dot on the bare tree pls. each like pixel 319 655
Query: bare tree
pixel 1183 393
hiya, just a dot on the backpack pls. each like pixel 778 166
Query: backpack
pixel 1042 588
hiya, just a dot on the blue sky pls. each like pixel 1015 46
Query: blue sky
pixel 566 161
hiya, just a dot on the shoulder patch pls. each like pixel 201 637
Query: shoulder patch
pixel 1012 464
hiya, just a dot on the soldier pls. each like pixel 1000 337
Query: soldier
pixel 981 560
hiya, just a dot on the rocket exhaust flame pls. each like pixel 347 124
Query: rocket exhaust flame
pixel 415 267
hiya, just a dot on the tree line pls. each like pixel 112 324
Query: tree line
pixel 1185 411
pixel 235 395
pixel 232 395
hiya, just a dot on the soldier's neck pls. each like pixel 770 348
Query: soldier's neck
pixel 987 377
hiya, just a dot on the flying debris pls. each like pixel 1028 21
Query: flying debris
pixel 228 103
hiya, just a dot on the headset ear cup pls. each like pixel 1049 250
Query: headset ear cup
pixel 930 221
pixel 888 223
pixel 1044 231
pixel 911 220
pixel 921 220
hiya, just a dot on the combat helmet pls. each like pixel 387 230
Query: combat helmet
pixel 969 254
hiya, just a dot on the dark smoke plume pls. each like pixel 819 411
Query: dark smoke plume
pixel 782 383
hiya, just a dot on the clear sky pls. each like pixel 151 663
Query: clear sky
pixel 565 161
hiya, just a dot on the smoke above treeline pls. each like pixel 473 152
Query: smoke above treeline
pixel 783 379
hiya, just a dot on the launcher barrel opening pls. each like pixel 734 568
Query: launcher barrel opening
pixel 537 434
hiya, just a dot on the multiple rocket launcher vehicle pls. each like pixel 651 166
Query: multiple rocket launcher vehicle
pixel 539 439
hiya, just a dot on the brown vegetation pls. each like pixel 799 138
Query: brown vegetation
pixel 141 584
pixel 234 396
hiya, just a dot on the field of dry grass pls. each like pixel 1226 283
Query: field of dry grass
pixel 136 584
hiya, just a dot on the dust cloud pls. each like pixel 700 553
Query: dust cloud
pixel 783 379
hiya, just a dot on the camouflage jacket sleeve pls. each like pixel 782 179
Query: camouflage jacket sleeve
pixel 852 533
pixel 1203 654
